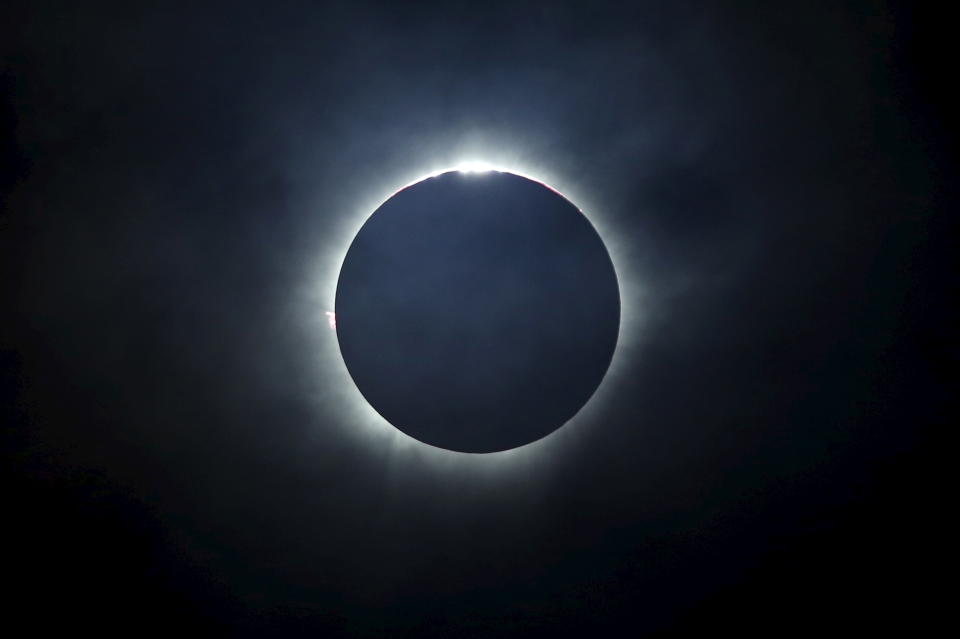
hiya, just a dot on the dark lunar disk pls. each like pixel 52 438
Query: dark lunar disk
pixel 477 312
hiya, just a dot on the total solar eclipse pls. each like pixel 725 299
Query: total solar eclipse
pixel 477 311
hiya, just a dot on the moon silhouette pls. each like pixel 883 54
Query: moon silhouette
pixel 477 311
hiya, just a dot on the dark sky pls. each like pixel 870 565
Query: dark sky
pixel 180 453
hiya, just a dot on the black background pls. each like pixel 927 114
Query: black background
pixel 776 177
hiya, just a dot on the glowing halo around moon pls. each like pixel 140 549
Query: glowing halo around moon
pixel 359 421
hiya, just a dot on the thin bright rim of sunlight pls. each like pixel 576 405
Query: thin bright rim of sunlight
pixel 361 422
